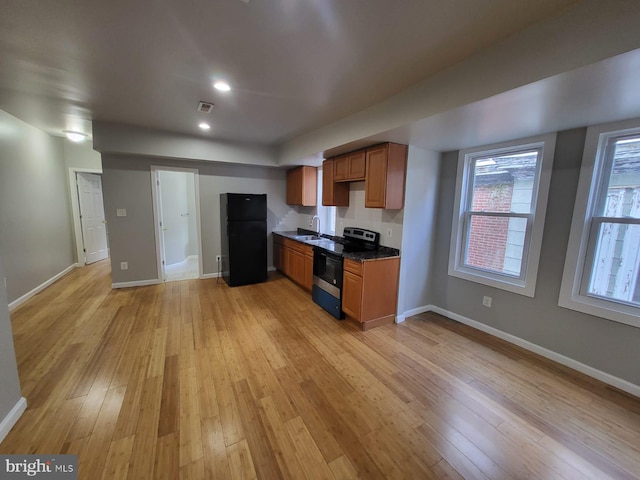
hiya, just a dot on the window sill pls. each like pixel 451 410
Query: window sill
pixel 510 285
pixel 601 308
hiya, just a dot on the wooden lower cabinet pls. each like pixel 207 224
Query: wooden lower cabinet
pixel 294 259
pixel 351 294
pixel 278 253
pixel 308 271
pixel 370 290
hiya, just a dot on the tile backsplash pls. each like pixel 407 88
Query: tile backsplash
pixel 376 219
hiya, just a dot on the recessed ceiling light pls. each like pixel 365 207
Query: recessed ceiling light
pixel 75 136
pixel 204 126
pixel 222 86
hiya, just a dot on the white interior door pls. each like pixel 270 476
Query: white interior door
pixel 94 233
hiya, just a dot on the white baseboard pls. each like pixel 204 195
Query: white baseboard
pixel 210 275
pixel 401 317
pixel 217 275
pixel 137 283
pixel 12 417
pixel 607 378
pixel 16 303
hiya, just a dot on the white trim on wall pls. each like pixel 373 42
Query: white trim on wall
pixel 12 417
pixel 217 274
pixel 604 377
pixel 75 210
pixel 210 275
pixel 136 283
pixel 19 301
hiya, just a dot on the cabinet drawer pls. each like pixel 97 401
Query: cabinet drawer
pixel 353 266
pixel 298 246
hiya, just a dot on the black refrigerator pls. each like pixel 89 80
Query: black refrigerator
pixel 243 228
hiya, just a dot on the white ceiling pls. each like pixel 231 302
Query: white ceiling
pixel 294 65
pixel 299 68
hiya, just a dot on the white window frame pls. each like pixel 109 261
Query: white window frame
pixel 327 214
pixel 587 198
pixel 526 283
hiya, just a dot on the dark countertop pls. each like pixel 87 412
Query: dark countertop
pixel 329 243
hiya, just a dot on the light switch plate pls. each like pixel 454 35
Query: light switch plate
pixel 121 212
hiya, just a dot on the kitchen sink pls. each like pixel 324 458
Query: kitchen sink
pixel 306 238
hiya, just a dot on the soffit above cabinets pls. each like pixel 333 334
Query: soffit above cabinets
pixel 309 77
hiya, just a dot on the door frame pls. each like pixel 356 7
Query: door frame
pixel 75 212
pixel 157 209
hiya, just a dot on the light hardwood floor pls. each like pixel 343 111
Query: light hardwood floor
pixel 197 380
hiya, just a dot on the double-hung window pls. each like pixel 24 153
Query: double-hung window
pixel 501 196
pixel 602 268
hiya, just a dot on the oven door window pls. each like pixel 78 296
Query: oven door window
pixel 328 267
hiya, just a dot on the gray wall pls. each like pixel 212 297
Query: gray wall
pixel 36 241
pixel 127 184
pixel 605 345
pixel 81 155
pixel 420 208
pixel 10 391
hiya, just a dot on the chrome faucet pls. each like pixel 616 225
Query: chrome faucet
pixel 316 216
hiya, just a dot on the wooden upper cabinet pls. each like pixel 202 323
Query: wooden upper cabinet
pixel 340 168
pixel 386 167
pixel 302 186
pixel 333 194
pixel 357 164
pixel 350 167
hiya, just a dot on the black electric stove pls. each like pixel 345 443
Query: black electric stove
pixel 327 266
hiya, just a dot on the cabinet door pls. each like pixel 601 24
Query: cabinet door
pixel 351 294
pixel 302 186
pixel 294 186
pixel 357 165
pixel 277 255
pixel 340 168
pixel 308 272
pixel 287 267
pixel 297 273
pixel 309 187
pixel 375 185
pixel 333 194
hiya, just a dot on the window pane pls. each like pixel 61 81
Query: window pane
pixel 496 244
pixel 616 263
pixel 504 183
pixel 623 193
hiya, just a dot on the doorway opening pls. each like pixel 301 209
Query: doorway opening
pixel 177 220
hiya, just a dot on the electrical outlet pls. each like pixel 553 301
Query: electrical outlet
pixel 124 265
pixel 311 221
pixel 217 258
pixel 486 301
pixel 389 232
